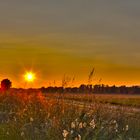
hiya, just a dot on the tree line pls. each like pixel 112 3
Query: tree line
pixel 105 89
pixel 99 88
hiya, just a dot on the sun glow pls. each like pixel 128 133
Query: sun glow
pixel 29 76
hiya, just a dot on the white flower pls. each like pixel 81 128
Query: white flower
pixel 71 131
pixel 76 122
pixel 31 119
pixel 80 125
pixel 73 125
pixel 114 121
pixel 84 124
pixel 126 127
pixel 92 124
pixel 15 119
pixel 116 126
pixel 78 137
pixel 65 133
pixel 22 134
pixel 7 133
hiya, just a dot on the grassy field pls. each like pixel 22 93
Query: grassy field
pixel 37 116
pixel 113 99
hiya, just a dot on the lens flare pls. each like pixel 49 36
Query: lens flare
pixel 29 76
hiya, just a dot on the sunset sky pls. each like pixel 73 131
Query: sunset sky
pixel 54 38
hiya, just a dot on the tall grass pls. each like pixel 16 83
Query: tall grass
pixel 35 116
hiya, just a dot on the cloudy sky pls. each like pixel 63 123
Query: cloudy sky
pixel 54 38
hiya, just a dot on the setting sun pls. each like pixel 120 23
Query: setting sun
pixel 29 76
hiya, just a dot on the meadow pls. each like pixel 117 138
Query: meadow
pixel 41 116
pixel 112 99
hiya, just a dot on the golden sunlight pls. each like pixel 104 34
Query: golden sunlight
pixel 29 76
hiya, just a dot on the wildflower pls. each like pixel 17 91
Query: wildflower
pixel 80 125
pixel 71 131
pixel 126 127
pixel 84 124
pixel 92 124
pixel 65 133
pixel 22 134
pixel 7 133
pixel 31 119
pixel 78 137
pixel 76 122
pixel 15 119
pixel 116 125
pixel 73 125
pixel 114 121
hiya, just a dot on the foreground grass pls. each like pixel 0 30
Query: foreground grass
pixel 33 116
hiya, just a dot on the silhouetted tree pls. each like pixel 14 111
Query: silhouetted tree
pixel 6 84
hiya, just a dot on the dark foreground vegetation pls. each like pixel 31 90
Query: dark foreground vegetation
pixel 94 89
